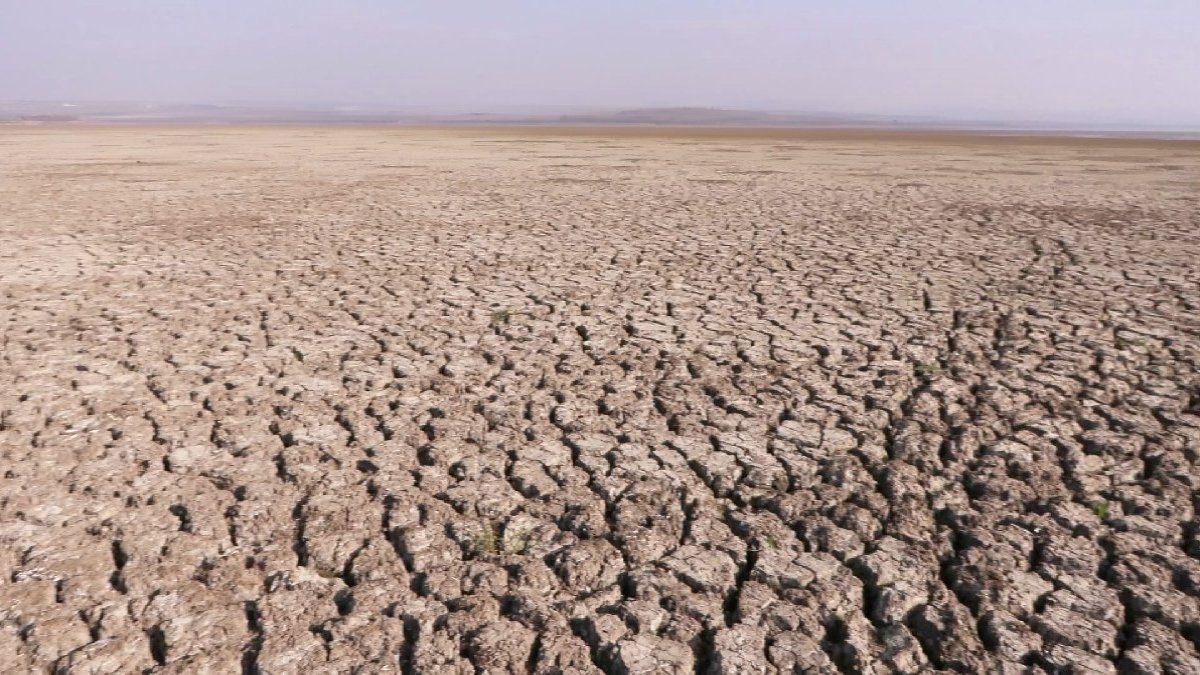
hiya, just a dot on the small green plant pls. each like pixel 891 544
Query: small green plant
pixel 1139 342
pixel 1100 508
pixel 496 539
pixel 928 369
pixel 488 540
pixel 770 542
pixel 501 316
pixel 299 355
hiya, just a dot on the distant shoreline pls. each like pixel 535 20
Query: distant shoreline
pixel 824 132
pixel 669 118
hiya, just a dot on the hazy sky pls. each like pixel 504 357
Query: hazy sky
pixel 1129 60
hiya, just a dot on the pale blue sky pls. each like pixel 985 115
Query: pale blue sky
pixel 1130 60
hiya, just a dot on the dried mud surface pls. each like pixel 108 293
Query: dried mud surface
pixel 366 400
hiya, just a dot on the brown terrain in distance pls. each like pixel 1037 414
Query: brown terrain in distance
pixel 544 401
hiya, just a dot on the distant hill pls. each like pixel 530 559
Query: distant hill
pixel 703 117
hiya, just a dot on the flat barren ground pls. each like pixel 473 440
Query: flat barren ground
pixel 553 401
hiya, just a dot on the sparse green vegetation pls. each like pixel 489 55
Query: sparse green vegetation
pixel 488 540
pixel 299 355
pixel 1100 508
pixel 928 369
pixel 1126 343
pixel 498 539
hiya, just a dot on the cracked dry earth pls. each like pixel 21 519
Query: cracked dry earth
pixel 529 401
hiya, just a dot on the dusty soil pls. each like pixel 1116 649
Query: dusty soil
pixel 369 400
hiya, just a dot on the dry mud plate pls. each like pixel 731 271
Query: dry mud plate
pixel 372 400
